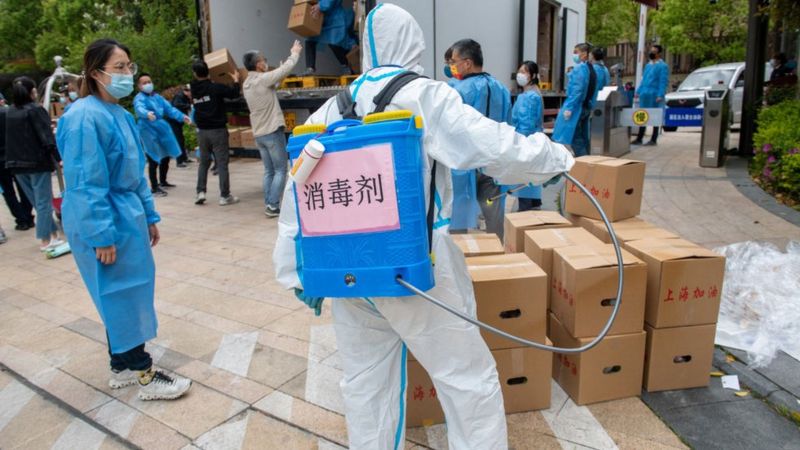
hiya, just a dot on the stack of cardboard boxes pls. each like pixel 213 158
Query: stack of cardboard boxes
pixel 510 294
pixel 683 299
pixel 684 280
pixel 563 288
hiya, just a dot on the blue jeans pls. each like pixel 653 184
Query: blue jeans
pixel 38 187
pixel 581 140
pixel 276 161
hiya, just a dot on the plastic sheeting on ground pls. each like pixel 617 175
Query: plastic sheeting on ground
pixel 760 310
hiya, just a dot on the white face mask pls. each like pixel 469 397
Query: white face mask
pixel 523 79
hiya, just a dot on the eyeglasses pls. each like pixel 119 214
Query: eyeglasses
pixel 121 67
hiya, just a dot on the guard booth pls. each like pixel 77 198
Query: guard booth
pixel 716 128
pixel 609 137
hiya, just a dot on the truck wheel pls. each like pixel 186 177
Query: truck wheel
pixel 670 129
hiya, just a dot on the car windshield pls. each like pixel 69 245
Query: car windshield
pixel 700 81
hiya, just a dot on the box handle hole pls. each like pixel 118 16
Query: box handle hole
pixel 517 380
pixel 629 191
pixel 510 314
pixel 682 359
pixel 612 369
pixel 609 302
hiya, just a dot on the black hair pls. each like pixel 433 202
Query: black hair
pixel 599 54
pixel 21 91
pixel 584 47
pixel 469 49
pixel 200 68
pixel 448 54
pixel 533 70
pixel 250 59
pixel 144 74
pixel 781 58
pixel 95 57
pixel 659 48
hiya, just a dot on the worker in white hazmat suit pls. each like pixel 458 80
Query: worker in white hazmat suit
pixel 374 335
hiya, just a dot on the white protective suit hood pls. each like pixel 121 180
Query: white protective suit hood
pixel 392 37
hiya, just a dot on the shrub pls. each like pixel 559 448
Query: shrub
pixel 776 164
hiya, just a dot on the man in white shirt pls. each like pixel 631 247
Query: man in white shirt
pixel 267 121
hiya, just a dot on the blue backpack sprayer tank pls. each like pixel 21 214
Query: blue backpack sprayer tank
pixel 360 199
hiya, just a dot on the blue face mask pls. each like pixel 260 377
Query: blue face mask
pixel 121 85
pixel 73 95
pixel 148 88
pixel 62 100
pixel 447 72
pixel 576 58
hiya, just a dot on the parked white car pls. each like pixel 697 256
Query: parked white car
pixel 691 92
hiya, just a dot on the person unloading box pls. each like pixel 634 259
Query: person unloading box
pixel 374 335
pixel 336 25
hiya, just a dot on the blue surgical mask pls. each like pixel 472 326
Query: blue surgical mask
pixel 576 58
pixel 73 95
pixel 447 72
pixel 121 85
pixel 147 88
pixel 62 100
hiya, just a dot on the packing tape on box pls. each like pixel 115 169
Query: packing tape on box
pixel 517 361
pixel 471 243
pixel 499 266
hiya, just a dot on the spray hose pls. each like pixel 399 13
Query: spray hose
pixel 519 340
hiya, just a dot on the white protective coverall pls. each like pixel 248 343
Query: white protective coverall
pixel 375 335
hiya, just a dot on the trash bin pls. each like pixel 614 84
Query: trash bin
pixel 716 123
pixel 609 137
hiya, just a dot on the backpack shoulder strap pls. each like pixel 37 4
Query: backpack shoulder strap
pixel 347 107
pixel 388 92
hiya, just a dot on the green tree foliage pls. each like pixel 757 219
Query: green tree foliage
pixel 611 21
pixel 712 33
pixel 160 33
pixel 19 27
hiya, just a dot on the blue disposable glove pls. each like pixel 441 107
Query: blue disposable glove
pixel 552 181
pixel 314 303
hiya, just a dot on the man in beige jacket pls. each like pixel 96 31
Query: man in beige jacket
pixel 267 121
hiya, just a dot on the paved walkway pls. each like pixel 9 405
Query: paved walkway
pixel 266 370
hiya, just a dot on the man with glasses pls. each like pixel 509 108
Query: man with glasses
pixel 487 95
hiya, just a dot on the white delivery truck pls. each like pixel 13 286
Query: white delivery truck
pixel 509 31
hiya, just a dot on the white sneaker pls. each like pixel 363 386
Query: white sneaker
pixel 229 200
pixel 53 244
pixel 200 199
pixel 123 378
pixel 161 386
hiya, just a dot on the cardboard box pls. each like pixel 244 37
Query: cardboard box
pixel 539 244
pixel 511 294
pixel 478 244
pixel 248 141
pixel 56 110
pixel 684 282
pixel 516 224
pixel 234 137
pixel 354 59
pixel 615 183
pixel 678 358
pixel 221 66
pixel 632 229
pixel 524 375
pixel 611 370
pixel 584 288
pixel 302 22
